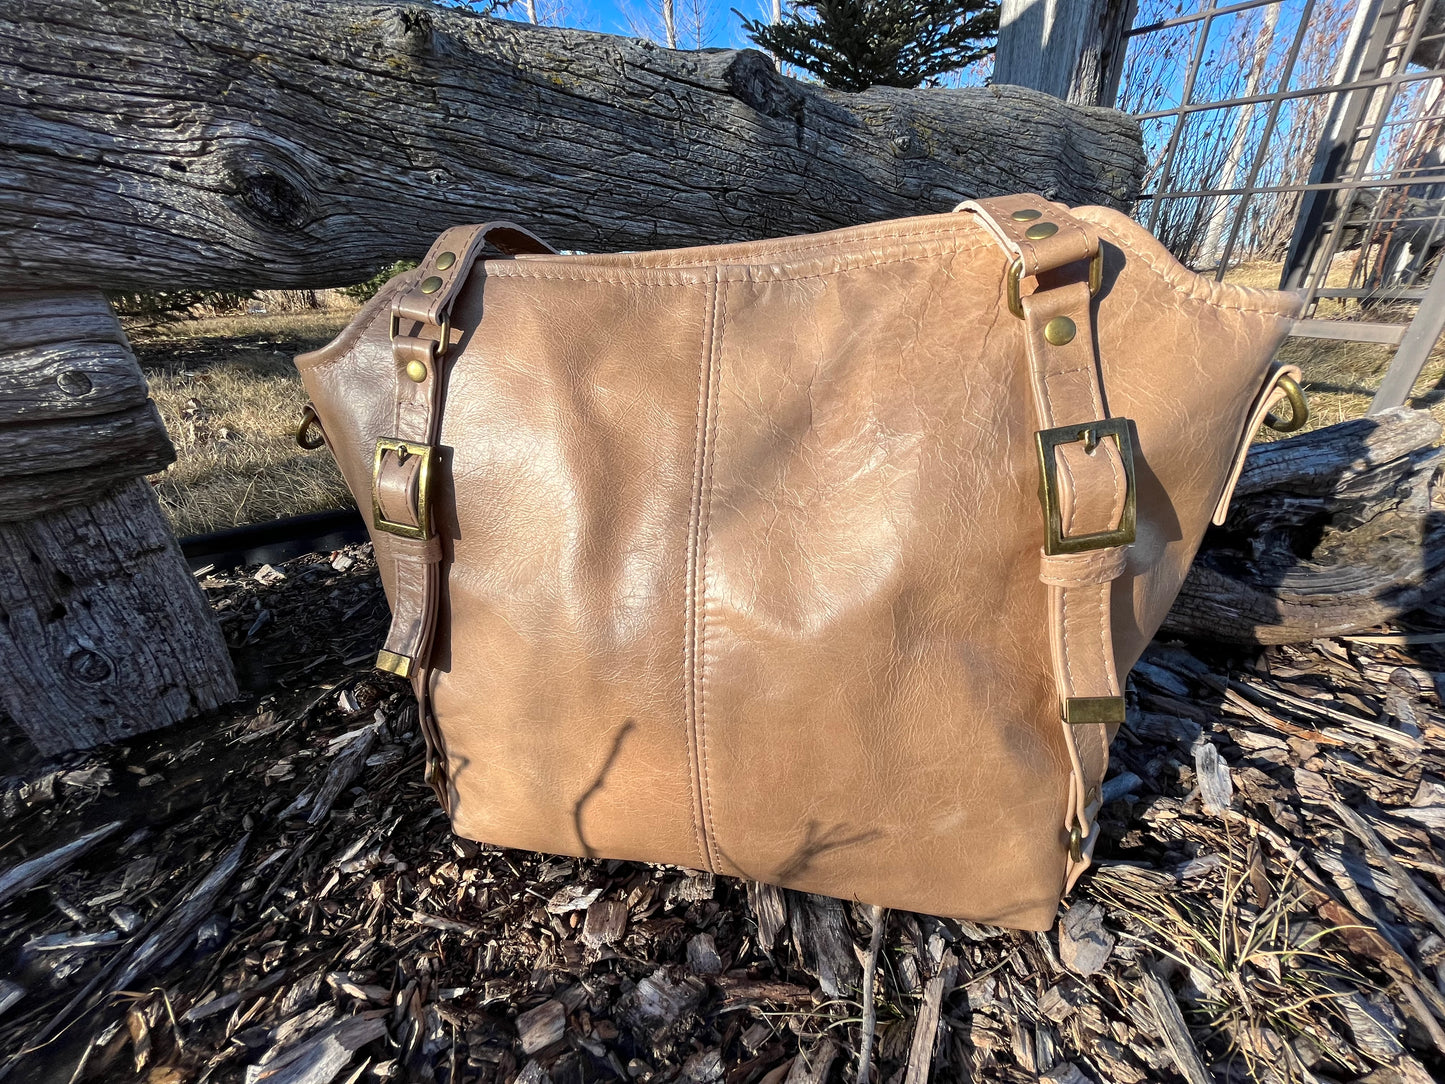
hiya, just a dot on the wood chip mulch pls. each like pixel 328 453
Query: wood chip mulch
pixel 272 896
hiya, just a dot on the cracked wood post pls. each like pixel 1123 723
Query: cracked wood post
pixel 103 631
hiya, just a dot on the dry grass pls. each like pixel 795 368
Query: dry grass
pixel 1341 377
pixel 1254 965
pixel 231 399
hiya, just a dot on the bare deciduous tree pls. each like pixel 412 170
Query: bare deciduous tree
pixel 1246 53
pixel 656 21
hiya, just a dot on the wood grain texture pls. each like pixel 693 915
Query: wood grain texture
pixel 68 380
pixel 69 444
pixel 152 143
pixel 103 632
pixel 1331 532
pixel 1074 51
pixel 25 495
pixel 74 414
pixel 34 318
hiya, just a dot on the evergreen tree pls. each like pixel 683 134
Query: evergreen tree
pixel 857 44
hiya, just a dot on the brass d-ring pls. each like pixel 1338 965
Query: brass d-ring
pixel 1299 410
pixel 310 435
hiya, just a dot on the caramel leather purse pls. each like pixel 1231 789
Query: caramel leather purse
pixel 818 561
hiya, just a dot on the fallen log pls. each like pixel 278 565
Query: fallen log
pixel 1330 532
pixel 284 143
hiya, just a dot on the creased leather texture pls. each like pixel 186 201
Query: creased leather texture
pixel 740 546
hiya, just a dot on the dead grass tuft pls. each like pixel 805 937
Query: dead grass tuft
pixel 231 399
pixel 1258 971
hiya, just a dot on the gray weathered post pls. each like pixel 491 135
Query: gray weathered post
pixel 1072 50
pixel 103 632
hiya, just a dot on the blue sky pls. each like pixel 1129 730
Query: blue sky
pixel 722 28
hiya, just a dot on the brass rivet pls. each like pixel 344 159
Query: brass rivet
pixel 416 370
pixel 1028 214
pixel 431 285
pixel 445 260
pixel 1040 230
pixel 1060 330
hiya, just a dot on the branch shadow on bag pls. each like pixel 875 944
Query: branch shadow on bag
pixel 598 781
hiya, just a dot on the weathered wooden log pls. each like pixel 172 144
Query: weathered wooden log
pixel 68 380
pixel 1331 532
pixel 75 418
pixel 24 496
pixel 59 447
pixel 286 143
pixel 34 317
pixel 105 633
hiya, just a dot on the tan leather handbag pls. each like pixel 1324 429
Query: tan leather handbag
pixel 819 560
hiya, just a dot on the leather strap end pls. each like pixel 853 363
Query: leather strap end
pixel 448 262
pixel 1268 399
pixel 394 663
pixel 1040 234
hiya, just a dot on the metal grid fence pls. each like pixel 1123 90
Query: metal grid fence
pixel 1306 136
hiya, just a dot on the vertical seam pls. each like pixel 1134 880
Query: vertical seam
pixel 691 589
pixel 710 457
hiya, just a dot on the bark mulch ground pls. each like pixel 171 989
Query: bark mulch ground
pixel 272 895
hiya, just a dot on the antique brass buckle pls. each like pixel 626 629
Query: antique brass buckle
pixel 1089 434
pixel 403 450
pixel 1016 272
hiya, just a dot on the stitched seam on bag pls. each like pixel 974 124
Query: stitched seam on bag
pixel 941 231
pixel 1188 289
pixel 715 412
pixel 1069 689
pixel 742 271
pixel 1111 673
pixel 706 350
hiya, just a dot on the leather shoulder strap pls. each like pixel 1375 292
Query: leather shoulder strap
pixel 1086 466
pixel 405 463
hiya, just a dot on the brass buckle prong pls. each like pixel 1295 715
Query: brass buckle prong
pixel 404 450
pixel 1089 434
pixel 1016 273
